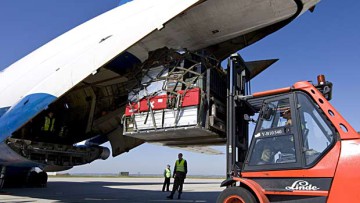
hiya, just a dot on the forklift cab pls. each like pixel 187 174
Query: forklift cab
pixel 291 132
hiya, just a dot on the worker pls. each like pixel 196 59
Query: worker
pixel 167 176
pixel 180 171
pixel 287 116
pixel 48 127
pixel 267 155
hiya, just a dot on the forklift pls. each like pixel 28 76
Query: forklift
pixel 302 150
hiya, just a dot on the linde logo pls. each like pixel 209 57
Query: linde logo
pixel 302 185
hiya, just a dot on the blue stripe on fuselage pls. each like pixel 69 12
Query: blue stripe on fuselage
pixel 4 110
pixel 22 112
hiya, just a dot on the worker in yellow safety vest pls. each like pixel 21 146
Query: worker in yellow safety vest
pixel 48 127
pixel 167 176
pixel 180 171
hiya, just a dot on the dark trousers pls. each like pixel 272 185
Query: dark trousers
pixel 178 182
pixel 167 184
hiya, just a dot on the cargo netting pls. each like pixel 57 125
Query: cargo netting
pixel 170 79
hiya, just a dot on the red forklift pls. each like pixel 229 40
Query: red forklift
pixel 302 150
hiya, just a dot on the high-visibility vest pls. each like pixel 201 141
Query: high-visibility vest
pixel 180 165
pixel 167 173
pixel 49 124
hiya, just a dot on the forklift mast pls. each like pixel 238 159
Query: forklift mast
pixel 237 113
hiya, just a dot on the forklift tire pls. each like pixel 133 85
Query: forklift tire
pixel 236 195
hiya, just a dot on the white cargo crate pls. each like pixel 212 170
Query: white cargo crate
pixel 185 117
pixel 144 120
pixel 164 119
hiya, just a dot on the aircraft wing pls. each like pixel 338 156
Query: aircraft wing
pixel 193 148
pixel 200 149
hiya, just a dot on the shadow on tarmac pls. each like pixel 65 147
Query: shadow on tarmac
pixel 102 191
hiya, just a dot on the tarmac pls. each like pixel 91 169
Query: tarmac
pixel 99 189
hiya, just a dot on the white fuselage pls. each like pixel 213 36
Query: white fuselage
pixel 138 27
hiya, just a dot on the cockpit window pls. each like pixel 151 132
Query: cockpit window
pixel 276 114
pixel 317 134
pixel 273 150
pixel 3 110
pixel 274 140
pixel 290 128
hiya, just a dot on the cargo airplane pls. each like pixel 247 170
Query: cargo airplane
pixel 81 77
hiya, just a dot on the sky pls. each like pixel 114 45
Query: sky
pixel 324 42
